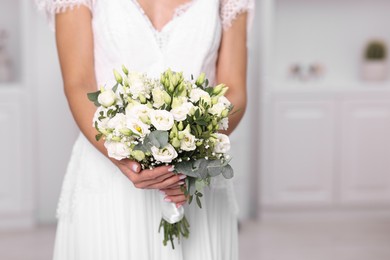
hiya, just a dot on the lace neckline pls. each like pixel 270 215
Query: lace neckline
pixel 178 12
pixel 162 36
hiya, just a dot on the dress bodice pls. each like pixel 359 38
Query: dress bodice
pixel 124 35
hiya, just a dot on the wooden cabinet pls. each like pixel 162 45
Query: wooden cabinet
pixel 365 151
pixel 329 148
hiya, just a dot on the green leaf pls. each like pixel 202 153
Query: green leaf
pixel 98 137
pixel 228 172
pixel 115 88
pixel 198 202
pixel 94 97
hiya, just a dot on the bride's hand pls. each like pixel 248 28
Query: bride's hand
pixel 159 178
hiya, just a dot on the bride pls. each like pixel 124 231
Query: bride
pixel 108 209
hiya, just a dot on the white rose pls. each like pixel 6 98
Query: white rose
pixel 165 154
pixel 107 98
pixel 117 150
pixel 161 119
pixel 198 93
pixel 180 113
pixel 188 141
pixel 217 109
pixel 137 126
pixel 222 144
pixel 158 97
pixel 224 124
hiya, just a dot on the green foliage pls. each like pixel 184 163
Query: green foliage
pixel 376 50
pixel 94 97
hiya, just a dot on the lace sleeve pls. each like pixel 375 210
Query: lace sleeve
pixel 51 7
pixel 230 9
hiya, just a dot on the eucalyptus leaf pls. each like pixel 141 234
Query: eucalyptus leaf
pixel 228 172
pixel 94 97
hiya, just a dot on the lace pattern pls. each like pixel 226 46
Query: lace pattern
pixel 51 7
pixel 230 9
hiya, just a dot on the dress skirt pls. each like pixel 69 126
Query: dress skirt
pixel 102 216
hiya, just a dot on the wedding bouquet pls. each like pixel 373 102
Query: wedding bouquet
pixel 167 121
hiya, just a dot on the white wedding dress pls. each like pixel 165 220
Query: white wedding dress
pixel 101 215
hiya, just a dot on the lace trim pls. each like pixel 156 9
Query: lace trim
pixel 52 7
pixel 230 9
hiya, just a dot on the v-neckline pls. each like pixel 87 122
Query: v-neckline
pixel 167 24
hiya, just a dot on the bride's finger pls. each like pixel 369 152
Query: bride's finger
pixel 176 198
pixel 173 192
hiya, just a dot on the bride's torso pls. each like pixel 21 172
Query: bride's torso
pixel 123 34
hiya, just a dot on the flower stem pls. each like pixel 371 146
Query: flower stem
pixel 178 230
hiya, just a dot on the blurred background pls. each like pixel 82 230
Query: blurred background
pixel 312 155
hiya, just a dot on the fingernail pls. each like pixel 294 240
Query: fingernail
pixel 179 206
pixel 181 182
pixel 171 169
pixel 135 168
pixel 167 200
pixel 181 177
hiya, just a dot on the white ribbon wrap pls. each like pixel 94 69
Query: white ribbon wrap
pixel 170 212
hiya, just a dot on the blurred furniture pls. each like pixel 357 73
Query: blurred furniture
pixel 16 167
pixel 325 145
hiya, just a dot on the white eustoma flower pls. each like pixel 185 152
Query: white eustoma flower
pixel 222 144
pixel 224 101
pixel 217 109
pixel 117 150
pixel 180 113
pixel 138 111
pixel 138 85
pixel 224 124
pixel 107 98
pixel 165 154
pixel 198 93
pixel 137 126
pixel 158 97
pixel 161 119
pixel 188 141
pixel 178 101
pixel 117 122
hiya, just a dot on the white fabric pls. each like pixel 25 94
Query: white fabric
pixel 101 215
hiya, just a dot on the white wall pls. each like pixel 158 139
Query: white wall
pixel 332 32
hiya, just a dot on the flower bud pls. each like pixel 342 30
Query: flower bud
pixel 167 98
pixel 176 142
pixel 225 113
pixel 142 99
pixel 199 143
pixel 214 122
pixel 118 77
pixel 126 82
pixel 116 138
pixel 218 89
pixel 145 119
pixel 173 132
pixel 223 91
pixel 210 127
pixel 138 155
pixel 200 80
pixel 125 70
pixel 125 131
pixel 214 100
pixel 180 126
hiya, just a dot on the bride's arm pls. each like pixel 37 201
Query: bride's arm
pixel 75 49
pixel 232 65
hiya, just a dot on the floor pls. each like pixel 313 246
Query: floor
pixel 282 240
